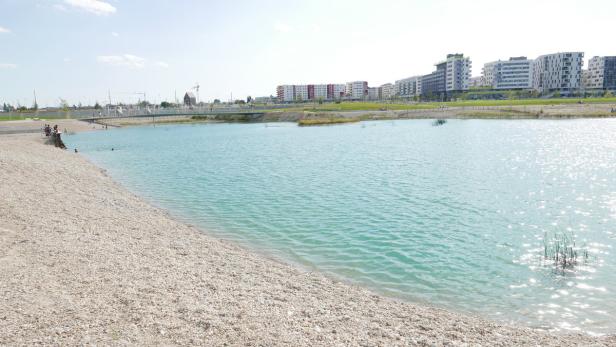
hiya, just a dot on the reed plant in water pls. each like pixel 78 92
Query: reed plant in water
pixel 561 250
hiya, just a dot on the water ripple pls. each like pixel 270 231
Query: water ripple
pixel 452 215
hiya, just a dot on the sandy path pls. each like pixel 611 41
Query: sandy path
pixel 84 261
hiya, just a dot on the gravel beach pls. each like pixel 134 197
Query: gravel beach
pixel 84 261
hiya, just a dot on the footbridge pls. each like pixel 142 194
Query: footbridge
pixel 152 112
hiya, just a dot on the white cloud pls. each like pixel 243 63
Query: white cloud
pixel 7 66
pixel 97 7
pixel 282 27
pixel 67 60
pixel 114 34
pixel 4 30
pixel 127 60
pixel 161 64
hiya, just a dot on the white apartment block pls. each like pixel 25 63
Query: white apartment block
pixel 336 91
pixel 408 87
pixel 285 93
pixel 595 73
pixel 558 72
pixel 386 91
pixel 458 72
pixel 320 92
pixel 487 74
pixel 301 92
pixel 515 73
pixel 357 90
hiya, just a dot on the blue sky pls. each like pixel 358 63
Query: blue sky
pixel 80 49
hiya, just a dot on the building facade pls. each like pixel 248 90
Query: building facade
pixel 285 93
pixel 601 73
pixel 336 91
pixel 320 92
pixel 458 72
pixel 373 93
pixel 407 87
pixel 357 90
pixel 515 73
pixel 301 92
pixel 434 84
pixel 386 91
pixel 558 72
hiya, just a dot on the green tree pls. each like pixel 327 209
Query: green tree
pixel 165 104
pixel 608 94
pixel 216 101
pixel 97 106
pixel 556 94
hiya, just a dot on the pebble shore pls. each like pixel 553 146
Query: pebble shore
pixel 84 261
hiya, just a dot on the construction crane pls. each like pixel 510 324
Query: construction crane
pixel 196 88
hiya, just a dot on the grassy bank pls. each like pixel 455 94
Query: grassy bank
pixel 326 121
pixel 382 106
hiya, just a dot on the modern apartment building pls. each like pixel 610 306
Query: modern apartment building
pixel 407 87
pixel 301 92
pixel 560 72
pixel 373 93
pixel 386 91
pixel 458 72
pixel 451 75
pixel 515 73
pixel 335 91
pixel 285 93
pixel 434 83
pixel 357 90
pixel 317 91
pixel 601 73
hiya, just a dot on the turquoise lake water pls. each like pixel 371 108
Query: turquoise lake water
pixel 454 216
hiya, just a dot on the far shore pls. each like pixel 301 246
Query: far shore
pixel 309 114
pixel 83 261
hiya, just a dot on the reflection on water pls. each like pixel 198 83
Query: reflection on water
pixel 452 215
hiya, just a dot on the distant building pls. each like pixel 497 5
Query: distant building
pixel 476 82
pixel 434 84
pixel 265 99
pixel 285 93
pixel 357 90
pixel 560 72
pixel 319 92
pixel 190 99
pixel 515 73
pixel 373 93
pixel 458 72
pixel 451 75
pixel 386 91
pixel 335 91
pixel 301 92
pixel 408 87
pixel 601 73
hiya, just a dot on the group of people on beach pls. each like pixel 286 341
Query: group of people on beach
pixel 49 130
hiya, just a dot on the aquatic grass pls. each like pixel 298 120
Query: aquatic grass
pixel 439 122
pixel 327 121
pixel 560 249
